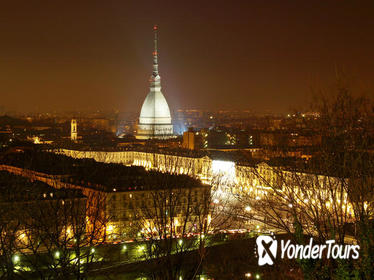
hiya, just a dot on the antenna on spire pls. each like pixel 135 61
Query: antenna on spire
pixel 155 53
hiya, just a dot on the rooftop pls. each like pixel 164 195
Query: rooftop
pixel 92 174
pixel 18 188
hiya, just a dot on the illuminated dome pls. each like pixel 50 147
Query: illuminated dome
pixel 155 120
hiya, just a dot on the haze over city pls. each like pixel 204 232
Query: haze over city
pixel 263 56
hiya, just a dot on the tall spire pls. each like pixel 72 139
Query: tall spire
pixel 155 54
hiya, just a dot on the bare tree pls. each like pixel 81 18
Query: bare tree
pixel 60 227
pixel 328 196
pixel 176 218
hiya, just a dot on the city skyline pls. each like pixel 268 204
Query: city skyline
pixel 255 56
pixel 187 140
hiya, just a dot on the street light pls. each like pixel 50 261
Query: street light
pixel 16 258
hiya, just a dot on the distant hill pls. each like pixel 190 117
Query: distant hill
pixel 7 120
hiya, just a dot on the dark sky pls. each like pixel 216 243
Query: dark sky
pixel 258 55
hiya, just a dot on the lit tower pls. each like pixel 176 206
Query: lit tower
pixel 73 130
pixel 155 120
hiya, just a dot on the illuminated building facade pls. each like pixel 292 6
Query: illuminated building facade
pixel 256 181
pixel 127 210
pixel 155 119
pixel 195 166
pixel 233 178
pixel 192 140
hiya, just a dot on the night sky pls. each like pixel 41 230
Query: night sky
pixel 256 55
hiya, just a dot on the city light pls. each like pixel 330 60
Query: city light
pixel 16 259
pixel 224 171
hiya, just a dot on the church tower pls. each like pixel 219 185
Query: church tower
pixel 73 130
pixel 155 120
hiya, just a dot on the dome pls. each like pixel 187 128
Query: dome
pixel 155 119
pixel 155 109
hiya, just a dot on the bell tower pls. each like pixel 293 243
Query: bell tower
pixel 73 130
